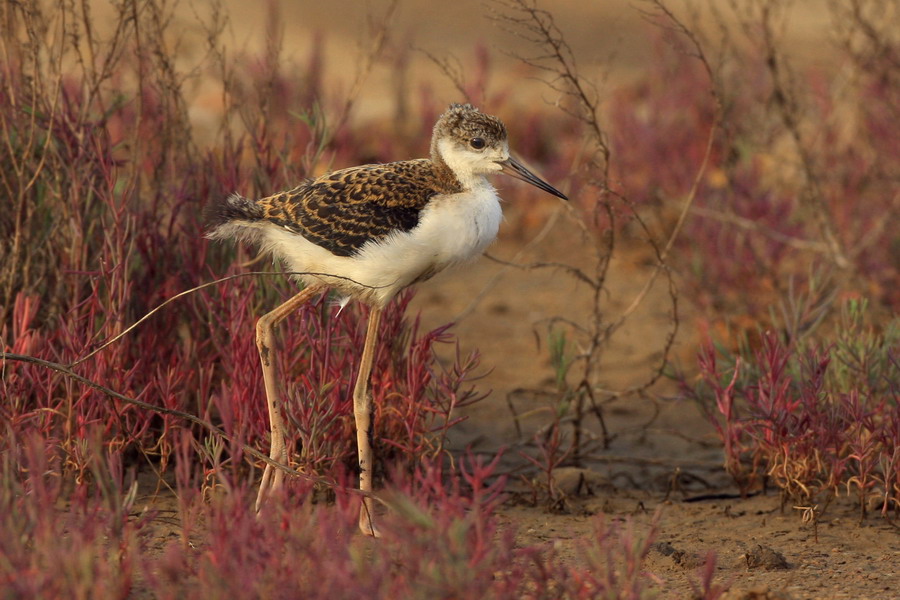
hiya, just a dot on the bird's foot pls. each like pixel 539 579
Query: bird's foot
pixel 367 526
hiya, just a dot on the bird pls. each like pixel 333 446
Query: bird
pixel 366 233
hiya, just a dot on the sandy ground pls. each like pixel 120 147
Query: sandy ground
pixel 762 552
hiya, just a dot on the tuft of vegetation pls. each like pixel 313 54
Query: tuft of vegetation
pixel 817 421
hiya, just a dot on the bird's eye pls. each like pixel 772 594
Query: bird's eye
pixel 477 143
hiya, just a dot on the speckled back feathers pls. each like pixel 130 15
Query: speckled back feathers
pixel 343 210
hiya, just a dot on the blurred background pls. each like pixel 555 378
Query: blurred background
pixel 613 41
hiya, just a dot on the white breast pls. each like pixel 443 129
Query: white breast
pixel 452 229
pixel 458 227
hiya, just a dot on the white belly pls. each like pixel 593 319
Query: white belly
pixel 452 229
pixel 458 227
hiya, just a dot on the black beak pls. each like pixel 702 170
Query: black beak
pixel 514 168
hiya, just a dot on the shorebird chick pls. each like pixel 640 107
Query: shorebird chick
pixel 368 232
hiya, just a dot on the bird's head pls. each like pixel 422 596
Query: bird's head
pixel 472 143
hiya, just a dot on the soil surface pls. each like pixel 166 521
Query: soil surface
pixel 762 551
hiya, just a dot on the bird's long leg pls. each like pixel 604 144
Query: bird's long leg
pixel 264 341
pixel 362 410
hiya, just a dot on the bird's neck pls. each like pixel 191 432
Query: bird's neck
pixel 461 174
pixel 448 179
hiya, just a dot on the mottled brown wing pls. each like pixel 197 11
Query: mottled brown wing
pixel 343 210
